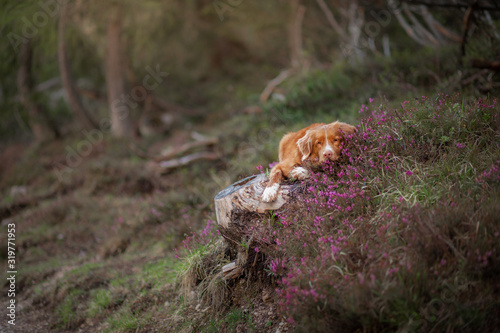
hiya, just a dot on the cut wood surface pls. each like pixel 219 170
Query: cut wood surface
pixel 239 208
pixel 246 195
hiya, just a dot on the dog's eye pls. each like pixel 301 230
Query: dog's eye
pixel 319 142
pixel 335 140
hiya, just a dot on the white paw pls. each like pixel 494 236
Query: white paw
pixel 270 193
pixel 299 173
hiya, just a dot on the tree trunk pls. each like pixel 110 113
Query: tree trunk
pixel 239 209
pixel 295 34
pixel 68 81
pixel 121 117
pixel 245 195
pixel 41 125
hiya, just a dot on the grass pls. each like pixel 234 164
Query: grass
pixel 67 312
pixel 234 318
pixel 123 321
pixel 100 300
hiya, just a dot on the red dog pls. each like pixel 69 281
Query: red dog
pixel 317 143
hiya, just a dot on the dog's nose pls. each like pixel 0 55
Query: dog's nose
pixel 328 154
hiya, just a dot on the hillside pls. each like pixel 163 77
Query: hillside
pixel 401 234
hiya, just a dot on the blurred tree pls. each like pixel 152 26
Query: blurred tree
pixel 349 30
pixel 43 129
pixel 426 31
pixel 295 34
pixel 121 118
pixel 74 99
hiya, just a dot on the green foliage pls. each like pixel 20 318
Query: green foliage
pixel 101 299
pixel 68 315
pixel 161 272
pixel 318 94
pixel 234 318
pixel 123 321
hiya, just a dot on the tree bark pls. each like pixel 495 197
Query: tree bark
pixel 121 117
pixel 295 34
pixel 40 123
pixel 68 81
pixel 239 209
pixel 245 196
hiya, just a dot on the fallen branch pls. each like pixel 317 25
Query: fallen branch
pixel 201 141
pixel 231 271
pixel 171 153
pixel 475 77
pixel 167 166
pixel 274 83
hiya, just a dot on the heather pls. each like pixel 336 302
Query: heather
pixel 401 233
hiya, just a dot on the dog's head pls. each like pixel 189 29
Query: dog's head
pixel 323 142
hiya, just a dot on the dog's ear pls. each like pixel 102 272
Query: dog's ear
pixel 347 129
pixel 305 145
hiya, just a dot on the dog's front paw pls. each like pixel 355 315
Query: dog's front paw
pixel 270 193
pixel 299 173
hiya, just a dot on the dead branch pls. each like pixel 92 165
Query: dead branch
pixel 168 166
pixel 432 35
pixel 405 25
pixel 475 77
pixel 438 29
pixel 201 141
pixel 171 153
pixel 331 19
pixel 231 271
pixel 418 27
pixel 268 90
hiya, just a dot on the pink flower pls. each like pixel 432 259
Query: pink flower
pixel 409 173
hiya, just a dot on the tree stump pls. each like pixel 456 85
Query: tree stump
pixel 239 208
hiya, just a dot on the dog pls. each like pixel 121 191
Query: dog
pixel 316 144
